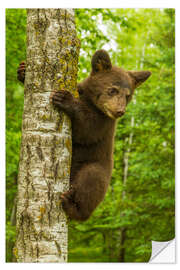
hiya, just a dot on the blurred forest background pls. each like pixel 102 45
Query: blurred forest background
pixel 139 206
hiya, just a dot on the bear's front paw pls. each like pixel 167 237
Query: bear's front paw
pixel 67 195
pixel 21 72
pixel 66 199
pixel 61 98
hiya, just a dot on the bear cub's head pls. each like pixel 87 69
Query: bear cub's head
pixel 108 87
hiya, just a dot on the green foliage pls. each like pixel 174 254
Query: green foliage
pixel 140 209
pixel 10 240
pixel 92 37
pixel 15 53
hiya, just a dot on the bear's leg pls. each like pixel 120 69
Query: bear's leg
pixel 88 190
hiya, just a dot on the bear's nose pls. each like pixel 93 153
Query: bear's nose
pixel 120 113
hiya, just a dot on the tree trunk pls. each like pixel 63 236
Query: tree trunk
pixel 45 159
pixel 122 248
pixel 125 176
pixel 126 166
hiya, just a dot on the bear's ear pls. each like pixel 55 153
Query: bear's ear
pixel 100 61
pixel 139 76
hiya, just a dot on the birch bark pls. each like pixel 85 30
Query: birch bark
pixel 45 159
pixel 126 166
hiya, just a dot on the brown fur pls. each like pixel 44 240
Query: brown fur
pixel 104 96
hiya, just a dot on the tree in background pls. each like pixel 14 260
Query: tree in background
pixel 149 204
pixel 45 159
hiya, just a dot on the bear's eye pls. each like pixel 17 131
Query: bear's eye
pixel 98 96
pixel 113 91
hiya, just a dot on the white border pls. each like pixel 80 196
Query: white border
pixel 90 4
pixel 79 4
pixel 2 135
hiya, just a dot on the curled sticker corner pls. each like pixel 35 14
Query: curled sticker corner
pixel 163 252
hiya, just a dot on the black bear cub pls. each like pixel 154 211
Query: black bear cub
pixel 103 98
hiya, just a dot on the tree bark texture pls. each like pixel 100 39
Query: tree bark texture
pixel 45 158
